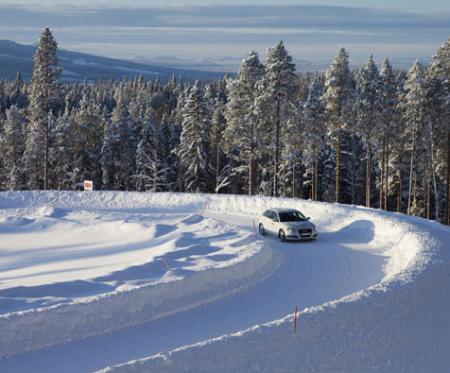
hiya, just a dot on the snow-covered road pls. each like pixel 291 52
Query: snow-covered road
pixel 355 250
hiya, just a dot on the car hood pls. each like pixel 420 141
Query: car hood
pixel 299 224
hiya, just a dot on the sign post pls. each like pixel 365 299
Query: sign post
pixel 88 185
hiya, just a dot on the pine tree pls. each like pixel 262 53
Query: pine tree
pixel 86 149
pixel 111 148
pixel 368 109
pixel 439 76
pixel 168 140
pixel 42 95
pixel 146 158
pixel 194 142
pixel 119 160
pixel 291 154
pixel 241 137
pixel 338 105
pixel 414 113
pixel 222 171
pixel 61 152
pixel 18 95
pixel 12 144
pixel 313 134
pixel 397 164
pixel 276 104
pixel 388 113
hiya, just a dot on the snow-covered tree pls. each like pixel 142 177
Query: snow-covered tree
pixel 12 144
pixel 222 171
pixel 146 157
pixel 388 96
pixel 276 106
pixel 313 135
pixel 242 134
pixel 86 149
pixel 368 119
pixel 338 98
pixel 111 155
pixel 195 138
pixel 43 92
pixel 439 77
pixel 415 116
pixel 61 151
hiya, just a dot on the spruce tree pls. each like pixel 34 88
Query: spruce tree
pixel 368 116
pixel 194 142
pixel 242 134
pixel 414 113
pixel 12 144
pixel 147 158
pixel 386 133
pixel 86 143
pixel 110 154
pixel 276 105
pixel 61 153
pixel 439 76
pixel 313 134
pixel 222 171
pixel 338 98
pixel 43 93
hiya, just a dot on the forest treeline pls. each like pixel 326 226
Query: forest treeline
pixel 372 136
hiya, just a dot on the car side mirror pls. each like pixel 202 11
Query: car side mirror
pixel 308 218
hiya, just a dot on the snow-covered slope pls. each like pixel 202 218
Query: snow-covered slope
pixel 120 276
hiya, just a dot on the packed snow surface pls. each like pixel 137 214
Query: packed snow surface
pixel 62 255
pixel 96 279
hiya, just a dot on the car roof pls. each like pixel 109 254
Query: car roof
pixel 279 209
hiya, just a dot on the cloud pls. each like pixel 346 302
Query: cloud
pixel 310 32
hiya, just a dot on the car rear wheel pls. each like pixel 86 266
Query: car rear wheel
pixel 282 235
pixel 262 231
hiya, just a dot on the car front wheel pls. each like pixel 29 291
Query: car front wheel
pixel 282 235
pixel 262 231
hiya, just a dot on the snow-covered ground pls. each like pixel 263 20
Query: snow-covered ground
pixel 96 279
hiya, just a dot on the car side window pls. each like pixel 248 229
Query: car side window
pixel 275 217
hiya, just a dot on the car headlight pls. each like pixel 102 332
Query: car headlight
pixel 291 230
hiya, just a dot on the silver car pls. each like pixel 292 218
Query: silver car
pixel 287 224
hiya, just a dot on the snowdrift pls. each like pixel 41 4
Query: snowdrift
pixel 401 324
pixel 205 260
pixel 396 322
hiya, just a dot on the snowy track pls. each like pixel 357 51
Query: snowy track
pixel 235 286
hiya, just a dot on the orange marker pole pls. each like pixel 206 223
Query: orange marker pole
pixel 295 319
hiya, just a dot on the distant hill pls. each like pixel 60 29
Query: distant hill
pixel 80 66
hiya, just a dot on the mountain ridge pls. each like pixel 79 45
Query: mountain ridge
pixel 77 66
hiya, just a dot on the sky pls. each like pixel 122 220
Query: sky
pixel 418 5
pixel 219 35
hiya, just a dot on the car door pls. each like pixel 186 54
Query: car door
pixel 275 223
pixel 268 221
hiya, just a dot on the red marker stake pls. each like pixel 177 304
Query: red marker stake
pixel 295 320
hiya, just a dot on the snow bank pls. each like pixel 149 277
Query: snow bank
pixel 396 325
pixel 399 325
pixel 237 261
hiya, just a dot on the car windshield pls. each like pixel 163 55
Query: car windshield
pixel 291 216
